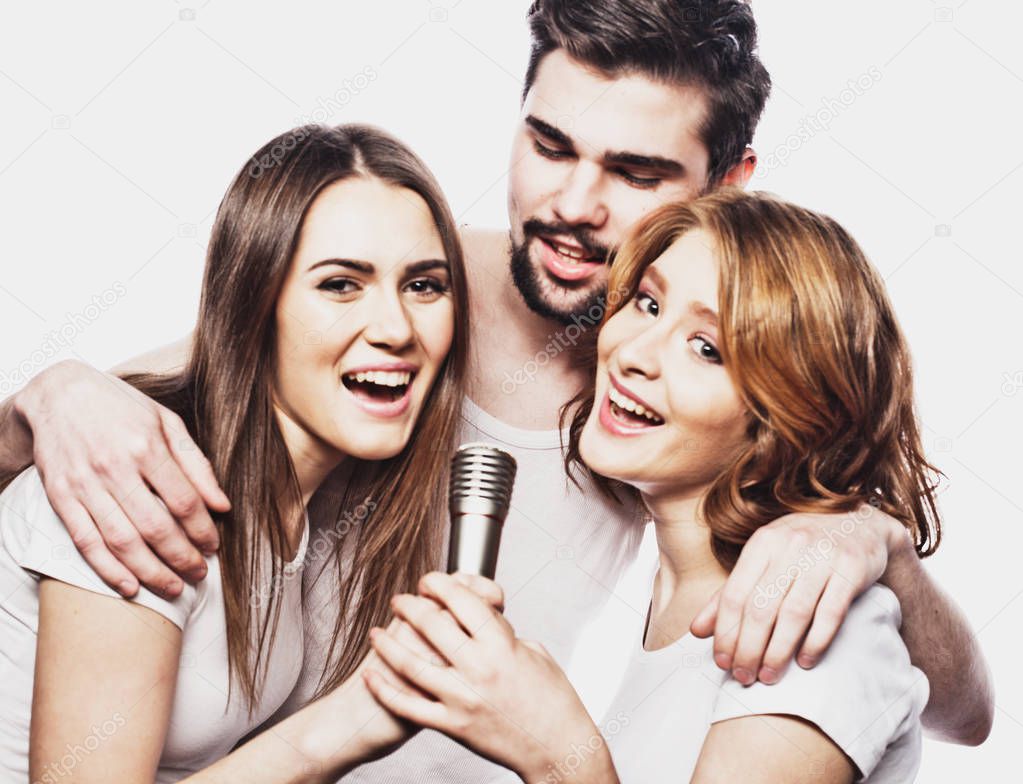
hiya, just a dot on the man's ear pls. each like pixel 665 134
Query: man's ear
pixel 742 172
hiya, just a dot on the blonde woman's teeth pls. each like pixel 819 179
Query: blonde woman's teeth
pixel 628 404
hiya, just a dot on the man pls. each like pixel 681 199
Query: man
pixel 628 104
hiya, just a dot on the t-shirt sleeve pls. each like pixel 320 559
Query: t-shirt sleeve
pixel 37 540
pixel 864 693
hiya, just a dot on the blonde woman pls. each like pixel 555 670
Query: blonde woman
pixel 749 366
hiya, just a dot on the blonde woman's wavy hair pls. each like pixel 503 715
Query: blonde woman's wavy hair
pixel 814 350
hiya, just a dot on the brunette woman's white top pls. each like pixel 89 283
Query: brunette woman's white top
pixel 203 725
pixel 864 695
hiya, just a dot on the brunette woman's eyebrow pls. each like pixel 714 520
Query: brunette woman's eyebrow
pixel 352 264
pixel 418 267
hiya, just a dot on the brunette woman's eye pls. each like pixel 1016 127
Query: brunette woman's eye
pixel 647 304
pixel 705 350
pixel 427 288
pixel 339 286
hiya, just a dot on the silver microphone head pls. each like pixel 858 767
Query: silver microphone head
pixel 479 495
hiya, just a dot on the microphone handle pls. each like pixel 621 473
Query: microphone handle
pixel 475 539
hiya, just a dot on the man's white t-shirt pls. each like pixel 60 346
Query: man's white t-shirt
pixel 204 726
pixel 562 552
pixel 864 694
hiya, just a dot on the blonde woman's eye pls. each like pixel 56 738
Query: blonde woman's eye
pixel 647 304
pixel 705 349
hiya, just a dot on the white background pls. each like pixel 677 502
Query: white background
pixel 123 122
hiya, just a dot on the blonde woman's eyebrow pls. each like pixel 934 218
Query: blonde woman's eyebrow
pixel 701 310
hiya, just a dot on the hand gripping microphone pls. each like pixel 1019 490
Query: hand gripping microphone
pixel 479 495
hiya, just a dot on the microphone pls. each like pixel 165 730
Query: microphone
pixel 479 495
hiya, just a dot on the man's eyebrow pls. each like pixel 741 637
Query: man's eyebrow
pixel 656 163
pixel 652 162
pixel 549 131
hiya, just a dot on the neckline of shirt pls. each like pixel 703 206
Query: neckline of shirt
pixel 514 436
pixel 296 563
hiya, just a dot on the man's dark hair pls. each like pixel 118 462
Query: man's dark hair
pixel 709 44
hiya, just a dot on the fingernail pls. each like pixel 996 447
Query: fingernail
pixel 768 675
pixel 172 589
pixel 744 676
pixel 806 661
pixel 127 588
pixel 201 569
pixel 723 660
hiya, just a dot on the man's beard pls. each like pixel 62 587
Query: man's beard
pixel 533 282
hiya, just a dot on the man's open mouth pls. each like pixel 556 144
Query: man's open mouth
pixel 572 254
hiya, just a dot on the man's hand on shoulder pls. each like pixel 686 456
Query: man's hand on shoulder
pixel 125 477
pixel 792 587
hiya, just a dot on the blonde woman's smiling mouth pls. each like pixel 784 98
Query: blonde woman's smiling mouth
pixel 625 414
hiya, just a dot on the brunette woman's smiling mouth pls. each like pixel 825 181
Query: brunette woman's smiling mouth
pixel 381 389
pixel 624 413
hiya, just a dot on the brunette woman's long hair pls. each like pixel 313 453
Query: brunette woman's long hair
pixel 813 348
pixel 225 397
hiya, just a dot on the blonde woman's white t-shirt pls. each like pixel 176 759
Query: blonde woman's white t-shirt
pixel 203 726
pixel 863 694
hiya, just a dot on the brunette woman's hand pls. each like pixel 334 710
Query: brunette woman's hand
pixel 504 698
pixel 792 587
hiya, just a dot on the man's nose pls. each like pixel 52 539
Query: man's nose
pixel 580 200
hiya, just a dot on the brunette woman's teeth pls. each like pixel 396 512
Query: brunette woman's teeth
pixel 382 378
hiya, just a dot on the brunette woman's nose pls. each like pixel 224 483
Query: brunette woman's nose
pixel 388 325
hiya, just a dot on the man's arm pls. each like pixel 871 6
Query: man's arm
pixel 942 644
pixel 121 471
pixel 793 585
